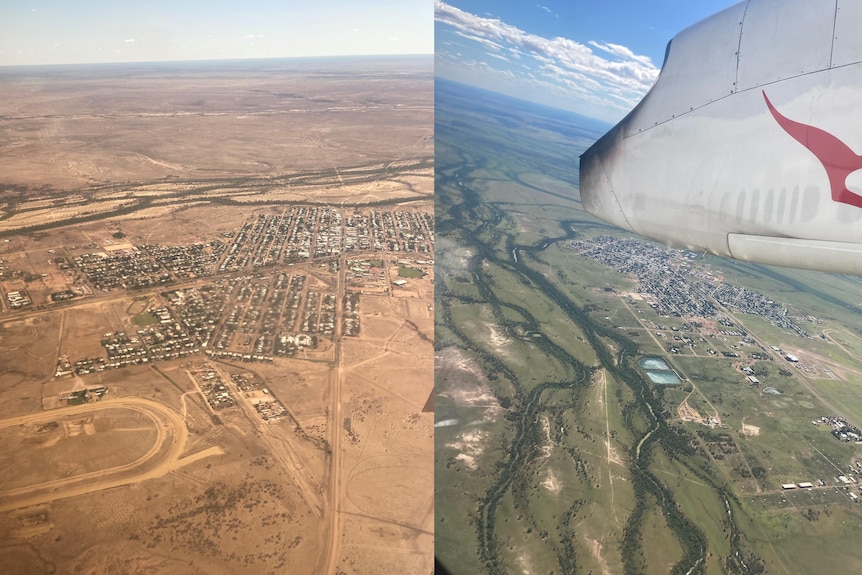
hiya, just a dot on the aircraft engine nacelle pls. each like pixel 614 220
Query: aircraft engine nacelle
pixel 748 144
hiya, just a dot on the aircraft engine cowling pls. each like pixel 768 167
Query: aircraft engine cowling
pixel 749 143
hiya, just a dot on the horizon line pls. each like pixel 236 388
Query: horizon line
pixel 227 59
pixel 520 99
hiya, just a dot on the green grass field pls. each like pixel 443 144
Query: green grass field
pixel 143 319
pixel 583 466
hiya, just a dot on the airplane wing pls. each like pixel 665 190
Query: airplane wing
pixel 748 144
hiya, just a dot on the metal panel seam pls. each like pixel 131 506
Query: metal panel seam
pixel 616 199
pixel 739 47
pixel 758 87
pixel 834 24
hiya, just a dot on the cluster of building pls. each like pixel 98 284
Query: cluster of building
pixel 8 272
pixel 788 356
pixel 755 303
pixel 801 485
pixel 304 232
pixel 167 339
pixel 391 231
pixel 131 270
pixel 262 241
pixel 679 339
pixel 164 340
pixel 219 396
pixel 251 317
pixel 674 286
pixel 753 381
pixel 847 481
pixel 732 329
pixel 124 350
pixel 81 366
pixel 199 310
pixel 18 299
pixel 749 374
pixel 214 389
pixel 840 428
pixel 298 234
pixel 366 276
pixel 350 315
pixel 81 396
pixel 268 407
pixel 319 314
pixel 658 270
pixel 850 479
pixel 255 317
pixel 238 356
pixel 64 295
pixel 246 318
pixel 191 261
pixel 289 345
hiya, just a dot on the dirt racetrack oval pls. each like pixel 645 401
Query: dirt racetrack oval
pixel 88 448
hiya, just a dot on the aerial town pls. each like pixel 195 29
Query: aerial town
pixel 210 270
pixel 670 282
pixel 262 319
pixel 252 308
pixel 675 286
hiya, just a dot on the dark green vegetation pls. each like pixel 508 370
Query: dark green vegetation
pixel 555 455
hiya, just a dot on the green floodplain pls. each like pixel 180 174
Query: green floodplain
pixel 555 452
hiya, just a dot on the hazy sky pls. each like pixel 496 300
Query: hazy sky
pixel 597 58
pixel 67 31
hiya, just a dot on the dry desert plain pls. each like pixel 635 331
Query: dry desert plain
pixel 216 317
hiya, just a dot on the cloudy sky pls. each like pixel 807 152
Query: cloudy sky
pixel 66 32
pixel 594 58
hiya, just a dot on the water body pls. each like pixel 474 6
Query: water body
pixel 654 363
pixel 663 377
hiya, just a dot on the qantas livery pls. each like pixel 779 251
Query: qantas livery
pixel 838 160
pixel 746 145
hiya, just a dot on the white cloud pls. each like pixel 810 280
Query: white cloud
pixel 620 51
pixel 548 10
pixel 253 36
pixel 130 40
pixel 489 43
pixel 598 71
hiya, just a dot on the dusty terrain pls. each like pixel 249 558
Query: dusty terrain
pixel 77 126
pixel 159 423
pixel 79 142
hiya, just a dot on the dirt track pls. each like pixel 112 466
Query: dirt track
pixel 174 432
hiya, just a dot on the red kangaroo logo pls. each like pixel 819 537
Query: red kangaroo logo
pixel 837 158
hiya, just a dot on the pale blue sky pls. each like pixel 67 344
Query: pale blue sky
pixel 66 31
pixel 597 58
